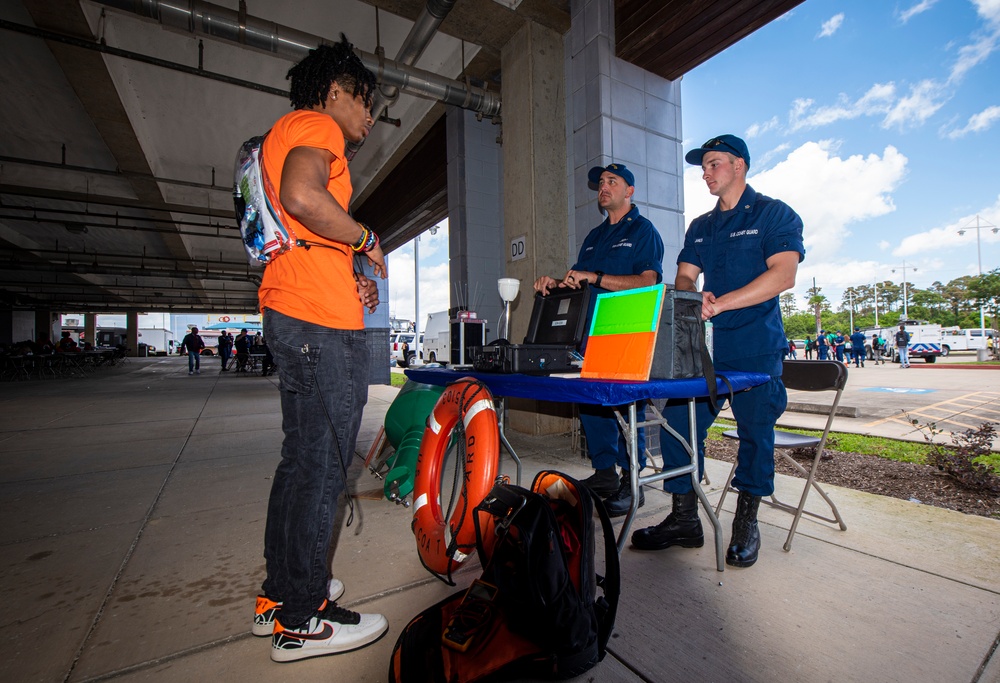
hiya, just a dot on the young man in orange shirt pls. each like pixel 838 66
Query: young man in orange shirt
pixel 313 302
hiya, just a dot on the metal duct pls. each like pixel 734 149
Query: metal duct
pixel 214 21
pixel 92 269
pixel 413 46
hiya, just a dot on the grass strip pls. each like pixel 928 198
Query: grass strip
pixel 890 449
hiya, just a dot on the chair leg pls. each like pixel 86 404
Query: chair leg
pixel 726 489
pixel 800 510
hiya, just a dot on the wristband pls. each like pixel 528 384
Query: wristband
pixel 365 234
pixel 600 276
pixel 367 241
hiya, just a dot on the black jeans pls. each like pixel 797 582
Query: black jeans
pixel 324 388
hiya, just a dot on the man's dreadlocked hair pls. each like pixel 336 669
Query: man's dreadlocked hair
pixel 311 78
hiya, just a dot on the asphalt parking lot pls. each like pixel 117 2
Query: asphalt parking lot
pixel 883 400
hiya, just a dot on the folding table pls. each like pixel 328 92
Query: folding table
pixel 613 393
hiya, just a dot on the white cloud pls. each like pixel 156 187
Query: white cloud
pixel 909 111
pixel 989 10
pixel 877 101
pixel 760 128
pixel 973 54
pixel 884 244
pixel 913 11
pixel 977 122
pixel 831 25
pixel 814 181
pixel 935 240
pixel 925 98
pixel 984 43
pixel 763 159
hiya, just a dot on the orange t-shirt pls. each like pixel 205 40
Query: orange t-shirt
pixel 316 284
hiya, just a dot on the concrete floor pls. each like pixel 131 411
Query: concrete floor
pixel 133 504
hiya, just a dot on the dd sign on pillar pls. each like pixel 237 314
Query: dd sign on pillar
pixel 517 248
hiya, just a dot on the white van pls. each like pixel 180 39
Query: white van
pixel 437 338
pixel 955 339
pixel 441 331
pixel 396 342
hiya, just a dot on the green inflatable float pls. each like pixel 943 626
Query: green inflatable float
pixel 404 428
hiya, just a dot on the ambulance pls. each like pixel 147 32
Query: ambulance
pixel 925 341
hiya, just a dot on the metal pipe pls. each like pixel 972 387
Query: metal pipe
pixel 117 173
pixel 413 46
pixel 221 23
pixel 138 57
pixel 83 227
pixel 59 253
pixel 91 269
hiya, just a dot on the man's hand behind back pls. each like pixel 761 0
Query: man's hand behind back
pixel 377 260
pixel 368 291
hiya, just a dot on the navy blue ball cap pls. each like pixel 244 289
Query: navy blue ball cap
pixel 594 174
pixel 722 143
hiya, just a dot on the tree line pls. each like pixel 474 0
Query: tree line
pixel 954 303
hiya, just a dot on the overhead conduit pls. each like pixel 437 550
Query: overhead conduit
pixel 221 23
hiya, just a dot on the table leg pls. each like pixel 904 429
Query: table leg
pixel 716 525
pixel 631 430
pixel 631 437
pixel 501 421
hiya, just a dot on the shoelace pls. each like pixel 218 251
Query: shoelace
pixel 334 612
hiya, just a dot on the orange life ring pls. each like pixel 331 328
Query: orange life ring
pixel 471 401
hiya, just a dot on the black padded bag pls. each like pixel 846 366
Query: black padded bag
pixel 548 620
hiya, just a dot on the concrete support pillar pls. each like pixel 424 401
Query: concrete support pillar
pixel 47 324
pixel 17 326
pixel 377 329
pixel 475 215
pixel 132 332
pixel 620 113
pixel 7 328
pixel 90 328
pixel 535 191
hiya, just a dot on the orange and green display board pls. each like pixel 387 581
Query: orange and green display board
pixel 623 334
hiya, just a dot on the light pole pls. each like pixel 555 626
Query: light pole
pixel 876 301
pixel 416 293
pixel 416 297
pixel 979 253
pixel 906 312
pixel 850 298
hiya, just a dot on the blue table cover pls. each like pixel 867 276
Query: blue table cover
pixel 595 391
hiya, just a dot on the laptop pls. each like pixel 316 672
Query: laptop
pixel 552 345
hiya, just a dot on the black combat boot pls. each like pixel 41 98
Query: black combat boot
pixel 619 503
pixel 603 482
pixel 746 536
pixel 681 527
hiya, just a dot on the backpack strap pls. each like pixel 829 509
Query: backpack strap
pixel 611 583
pixel 710 378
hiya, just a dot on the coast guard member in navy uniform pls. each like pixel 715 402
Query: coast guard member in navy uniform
pixel 748 248
pixel 623 252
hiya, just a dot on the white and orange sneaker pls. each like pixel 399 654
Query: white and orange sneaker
pixel 329 631
pixel 264 612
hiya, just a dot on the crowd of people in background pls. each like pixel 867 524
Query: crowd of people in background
pixel 236 354
pixel 847 349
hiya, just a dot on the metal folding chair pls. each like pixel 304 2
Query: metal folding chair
pixel 803 375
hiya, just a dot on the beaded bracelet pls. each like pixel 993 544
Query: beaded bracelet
pixel 367 241
pixel 359 245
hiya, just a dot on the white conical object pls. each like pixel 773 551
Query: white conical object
pixel 508 287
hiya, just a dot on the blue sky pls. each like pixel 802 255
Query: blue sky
pixel 877 121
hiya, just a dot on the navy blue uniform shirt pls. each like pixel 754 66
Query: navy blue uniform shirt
pixel 731 248
pixel 629 247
